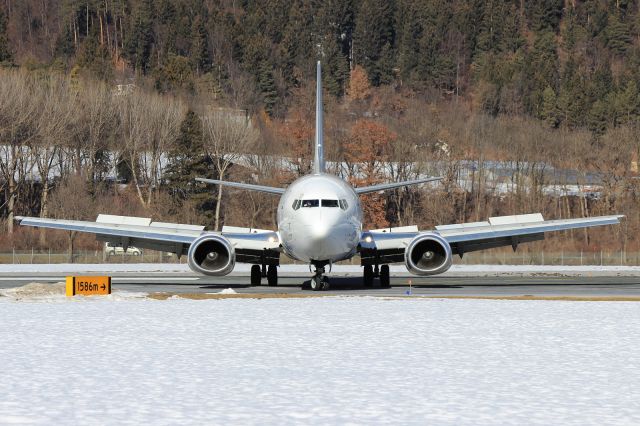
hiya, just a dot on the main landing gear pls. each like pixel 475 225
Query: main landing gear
pixel 319 281
pixel 270 272
pixel 369 273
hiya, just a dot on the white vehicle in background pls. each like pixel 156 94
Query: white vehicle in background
pixel 117 249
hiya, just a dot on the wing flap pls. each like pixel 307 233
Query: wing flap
pixel 497 232
pixel 161 236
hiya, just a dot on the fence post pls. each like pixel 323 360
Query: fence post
pixel 580 257
pixel 542 257
pixel 600 257
pixel 13 255
pixel 562 257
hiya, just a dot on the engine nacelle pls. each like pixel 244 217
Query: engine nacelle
pixel 428 254
pixel 211 255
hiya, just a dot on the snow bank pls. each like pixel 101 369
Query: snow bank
pixel 56 292
pixel 320 361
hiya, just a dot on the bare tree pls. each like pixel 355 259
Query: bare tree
pixel 227 136
pixel 149 124
pixel 56 115
pixel 18 129
pixel 96 125
pixel 72 201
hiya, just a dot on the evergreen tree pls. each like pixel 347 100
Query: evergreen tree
pixel 5 50
pixel 187 161
pixel 267 86
pixel 542 70
pixel 544 14
pixel 199 48
pixel 140 41
pixel 550 107
pixel 617 35
pixel 597 118
pixel 373 31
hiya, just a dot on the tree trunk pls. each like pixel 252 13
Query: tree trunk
pixel 72 237
pixel 217 223
pixel 11 202
pixel 44 210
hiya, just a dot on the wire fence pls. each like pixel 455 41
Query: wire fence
pixel 491 257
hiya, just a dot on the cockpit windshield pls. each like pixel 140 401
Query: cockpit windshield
pixel 329 203
pixel 310 203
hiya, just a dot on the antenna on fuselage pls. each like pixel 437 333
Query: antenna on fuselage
pixel 318 163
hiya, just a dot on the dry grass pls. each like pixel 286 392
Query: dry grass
pixel 549 298
pixel 206 296
pixel 218 296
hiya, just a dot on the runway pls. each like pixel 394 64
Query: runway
pixel 551 285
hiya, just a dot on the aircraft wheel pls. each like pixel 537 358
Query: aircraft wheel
pixel 256 275
pixel 367 278
pixel 317 283
pixel 385 279
pixel 272 275
pixel 325 283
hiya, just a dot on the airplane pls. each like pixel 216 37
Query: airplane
pixel 320 222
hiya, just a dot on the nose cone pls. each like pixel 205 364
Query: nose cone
pixel 327 237
pixel 319 231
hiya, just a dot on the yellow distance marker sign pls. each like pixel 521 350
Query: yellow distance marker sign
pixel 88 286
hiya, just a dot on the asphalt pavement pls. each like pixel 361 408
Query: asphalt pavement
pixel 494 286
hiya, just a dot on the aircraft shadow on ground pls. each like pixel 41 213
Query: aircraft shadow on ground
pixel 336 283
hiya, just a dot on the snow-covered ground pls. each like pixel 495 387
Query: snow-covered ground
pixel 244 269
pixel 129 360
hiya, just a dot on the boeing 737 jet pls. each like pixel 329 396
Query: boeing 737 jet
pixel 319 221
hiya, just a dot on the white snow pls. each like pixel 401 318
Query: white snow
pixel 319 361
pixel 244 269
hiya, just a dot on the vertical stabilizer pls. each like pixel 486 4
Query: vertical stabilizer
pixel 318 163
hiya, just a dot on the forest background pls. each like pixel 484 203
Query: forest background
pixel 114 106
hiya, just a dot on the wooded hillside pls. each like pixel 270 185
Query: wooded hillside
pixel 573 63
pixel 413 87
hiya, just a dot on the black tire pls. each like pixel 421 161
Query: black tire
pixel 256 275
pixel 385 279
pixel 367 276
pixel 325 284
pixel 317 284
pixel 272 275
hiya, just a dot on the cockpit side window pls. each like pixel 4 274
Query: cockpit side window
pixel 310 203
pixel 343 204
pixel 296 204
pixel 329 203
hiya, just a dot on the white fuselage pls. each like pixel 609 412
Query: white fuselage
pixel 320 219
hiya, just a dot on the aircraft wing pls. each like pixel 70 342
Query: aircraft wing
pixel 389 244
pixel 169 237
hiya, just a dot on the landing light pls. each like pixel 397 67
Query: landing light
pixel 368 239
pixel 272 239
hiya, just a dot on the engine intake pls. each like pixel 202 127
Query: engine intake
pixel 428 254
pixel 211 255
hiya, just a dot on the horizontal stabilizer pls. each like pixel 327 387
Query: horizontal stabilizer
pixel 393 185
pixel 261 188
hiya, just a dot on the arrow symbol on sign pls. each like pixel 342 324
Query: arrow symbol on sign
pixel 103 286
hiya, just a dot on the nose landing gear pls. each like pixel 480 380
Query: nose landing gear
pixel 319 281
